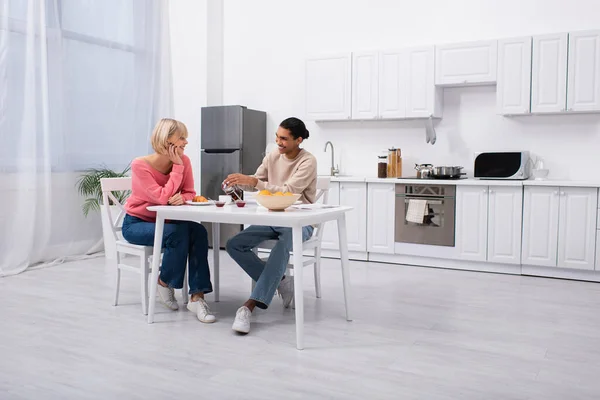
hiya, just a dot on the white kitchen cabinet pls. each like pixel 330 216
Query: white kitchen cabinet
pixel 354 194
pixel 577 227
pixel 549 73
pixel 513 93
pixel 392 84
pixel 365 76
pixel 471 222
pixel 583 90
pixel 330 231
pixel 328 87
pixel 540 226
pixel 505 207
pixel 423 99
pixel 472 63
pixel 380 217
pixel 559 227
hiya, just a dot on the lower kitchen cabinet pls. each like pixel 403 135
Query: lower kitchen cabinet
pixel 559 227
pixel 380 217
pixel 488 223
pixel 353 194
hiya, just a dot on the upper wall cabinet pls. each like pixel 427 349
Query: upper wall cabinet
pixel 471 63
pixel 365 76
pixel 513 94
pixel 583 89
pixel 549 73
pixel 423 99
pixel 328 87
pixel 393 82
pixel 395 85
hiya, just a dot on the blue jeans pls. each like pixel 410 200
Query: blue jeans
pixel 183 241
pixel 266 275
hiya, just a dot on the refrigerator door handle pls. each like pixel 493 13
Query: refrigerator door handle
pixel 219 151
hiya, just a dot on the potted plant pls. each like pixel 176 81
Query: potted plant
pixel 88 185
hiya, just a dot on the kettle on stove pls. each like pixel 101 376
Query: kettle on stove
pixel 424 171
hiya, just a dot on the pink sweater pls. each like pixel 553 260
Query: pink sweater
pixel 151 187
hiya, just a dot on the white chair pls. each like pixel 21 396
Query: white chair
pixel 314 243
pixel 110 185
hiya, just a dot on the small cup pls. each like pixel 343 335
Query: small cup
pixel 240 203
pixel 219 203
pixel 225 198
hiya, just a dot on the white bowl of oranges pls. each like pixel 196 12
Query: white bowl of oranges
pixel 276 201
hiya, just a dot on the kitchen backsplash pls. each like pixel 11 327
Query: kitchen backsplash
pixel 569 144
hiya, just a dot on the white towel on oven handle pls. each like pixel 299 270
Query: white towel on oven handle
pixel 417 210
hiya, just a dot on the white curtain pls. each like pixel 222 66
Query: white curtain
pixel 82 82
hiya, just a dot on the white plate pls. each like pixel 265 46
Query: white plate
pixel 200 203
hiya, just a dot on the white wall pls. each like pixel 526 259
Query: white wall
pixel 188 23
pixel 266 42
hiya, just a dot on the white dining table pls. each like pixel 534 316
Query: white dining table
pixel 294 217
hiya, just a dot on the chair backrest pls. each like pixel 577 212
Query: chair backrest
pixel 322 192
pixel 108 186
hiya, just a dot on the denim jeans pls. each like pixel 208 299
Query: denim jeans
pixel 266 275
pixel 183 241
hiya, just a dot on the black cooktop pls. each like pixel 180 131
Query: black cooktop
pixel 431 178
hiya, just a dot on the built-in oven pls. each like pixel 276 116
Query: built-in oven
pixel 425 214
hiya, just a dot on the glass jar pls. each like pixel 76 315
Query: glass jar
pixel 382 167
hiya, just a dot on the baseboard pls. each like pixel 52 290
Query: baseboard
pixel 561 273
pixel 431 262
pixel 352 255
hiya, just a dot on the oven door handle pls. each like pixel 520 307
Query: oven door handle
pixel 429 201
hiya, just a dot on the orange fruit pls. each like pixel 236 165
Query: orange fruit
pixel 278 194
pixel 288 194
pixel 264 193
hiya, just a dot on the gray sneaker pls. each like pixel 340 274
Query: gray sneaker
pixel 167 297
pixel 286 291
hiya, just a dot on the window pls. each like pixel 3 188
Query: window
pixel 99 75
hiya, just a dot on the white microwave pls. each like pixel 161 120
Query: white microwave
pixel 503 165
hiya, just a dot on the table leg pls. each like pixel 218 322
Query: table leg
pixel 158 234
pixel 343 239
pixel 216 228
pixel 298 286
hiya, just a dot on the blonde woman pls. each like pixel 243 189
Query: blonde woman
pixel 165 177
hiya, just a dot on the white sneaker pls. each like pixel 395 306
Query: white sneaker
pixel 241 323
pixel 200 308
pixel 286 291
pixel 167 297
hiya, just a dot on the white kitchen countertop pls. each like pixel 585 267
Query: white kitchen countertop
pixel 472 181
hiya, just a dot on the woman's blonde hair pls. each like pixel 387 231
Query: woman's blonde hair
pixel 163 131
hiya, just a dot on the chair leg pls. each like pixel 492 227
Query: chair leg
pixel 118 280
pixel 185 288
pixel 317 272
pixel 144 270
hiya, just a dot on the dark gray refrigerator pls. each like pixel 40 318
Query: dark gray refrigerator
pixel 233 139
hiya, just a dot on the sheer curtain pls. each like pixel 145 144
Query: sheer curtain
pixel 82 82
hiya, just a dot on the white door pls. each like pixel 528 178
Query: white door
pixel 328 87
pixel 471 222
pixel 583 89
pixel 466 63
pixel 380 218
pixel 392 84
pixel 354 194
pixel 540 226
pixel 549 73
pixel 365 72
pixel 577 228
pixel 330 231
pixel 504 224
pixel 513 93
pixel 421 95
